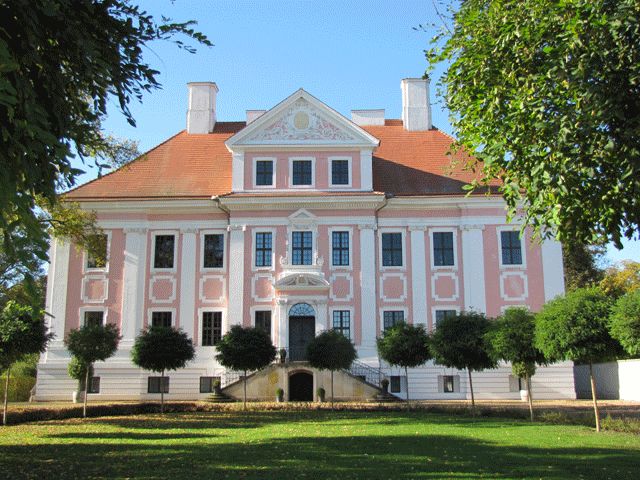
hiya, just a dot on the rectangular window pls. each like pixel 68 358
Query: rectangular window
pixel 395 383
pixel 392 249
pixel 263 320
pixel 342 322
pixel 392 317
pixel 340 248
pixel 213 251
pixel 94 319
pixel 164 250
pixel 95 262
pixel 207 383
pixel 94 385
pixel 448 384
pixel 211 328
pixel 161 319
pixel 339 172
pixel 511 248
pixel 264 173
pixel 153 385
pixel 442 314
pixel 263 249
pixel 442 249
pixel 302 174
pixel 301 248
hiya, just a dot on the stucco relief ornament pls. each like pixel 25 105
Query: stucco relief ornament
pixel 284 260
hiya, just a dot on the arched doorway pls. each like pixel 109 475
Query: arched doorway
pixel 301 387
pixel 302 324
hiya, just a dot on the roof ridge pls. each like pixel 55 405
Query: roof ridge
pixel 123 166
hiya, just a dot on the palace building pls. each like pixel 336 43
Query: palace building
pixel 296 220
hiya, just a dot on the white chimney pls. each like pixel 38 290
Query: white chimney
pixel 201 115
pixel 416 109
pixel 254 115
pixel 368 117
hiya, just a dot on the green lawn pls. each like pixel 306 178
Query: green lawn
pixel 313 444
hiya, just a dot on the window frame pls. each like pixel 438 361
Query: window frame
pixel 254 245
pixel 83 310
pixel 203 234
pixel 454 239
pixel 254 314
pixel 212 379
pixel 434 309
pixel 273 161
pixel 312 247
pixel 153 310
pixel 91 390
pixel 176 237
pixel 392 309
pixel 223 319
pixel 349 311
pixel 453 384
pixel 85 257
pixel 164 387
pixel 521 266
pixel 313 172
pixel 349 232
pixel 349 183
pixel 213 313
pixel 403 237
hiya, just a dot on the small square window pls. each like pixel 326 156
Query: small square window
pixel 101 262
pixel 93 319
pixel 391 249
pixel 340 172
pixel 511 248
pixel 94 385
pixel 161 319
pixel 153 385
pixel 207 384
pixel 263 321
pixel 164 251
pixel 302 172
pixel 211 328
pixel 395 383
pixel 213 251
pixel 264 173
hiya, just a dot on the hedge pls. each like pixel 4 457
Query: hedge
pixel 19 388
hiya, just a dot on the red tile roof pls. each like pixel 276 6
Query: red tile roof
pixel 199 166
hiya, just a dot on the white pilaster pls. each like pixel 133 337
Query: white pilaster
pixel 473 268
pixel 236 273
pixel 552 269
pixel 188 281
pixel 322 321
pixel 283 325
pixel 237 171
pixel 368 317
pixel 57 302
pixel 418 275
pixel 366 170
pixel 133 285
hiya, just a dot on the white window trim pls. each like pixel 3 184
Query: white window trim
pixel 225 257
pixel 202 310
pixel 402 231
pixel 156 233
pixel 503 308
pixel 313 173
pixel 255 268
pixel 151 310
pixel 85 258
pixel 441 307
pixel 273 161
pixel 351 319
pixel 330 170
pixel 349 230
pixel 523 250
pixel 391 309
pixel 265 308
pixel 432 246
pixel 83 310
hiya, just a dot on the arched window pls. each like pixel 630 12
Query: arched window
pixel 302 310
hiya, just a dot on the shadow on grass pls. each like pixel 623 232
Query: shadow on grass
pixel 129 436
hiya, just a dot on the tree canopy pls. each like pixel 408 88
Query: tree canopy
pixel 162 348
pixel 621 278
pixel 546 96
pixel 62 63
pixel 624 323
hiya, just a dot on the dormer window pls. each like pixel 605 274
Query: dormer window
pixel 340 175
pixel 302 172
pixel 264 173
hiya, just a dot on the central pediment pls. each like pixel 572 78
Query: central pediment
pixel 301 119
pixel 305 281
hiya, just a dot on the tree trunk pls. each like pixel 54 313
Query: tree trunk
pixel 473 400
pixel 406 377
pixel 594 396
pixel 6 397
pixel 528 381
pixel 86 391
pixel 331 389
pixel 244 406
pixel 162 391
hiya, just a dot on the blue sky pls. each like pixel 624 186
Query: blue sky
pixel 349 54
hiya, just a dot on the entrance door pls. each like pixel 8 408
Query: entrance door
pixel 301 332
pixel 301 387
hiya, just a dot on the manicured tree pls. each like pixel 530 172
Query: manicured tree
pixel 22 332
pixel 78 371
pixel 245 349
pixel 405 346
pixel 160 349
pixel 574 327
pixel 90 344
pixel 459 342
pixel 511 338
pixel 624 323
pixel 331 351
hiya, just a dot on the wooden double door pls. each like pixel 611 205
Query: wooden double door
pixel 301 332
